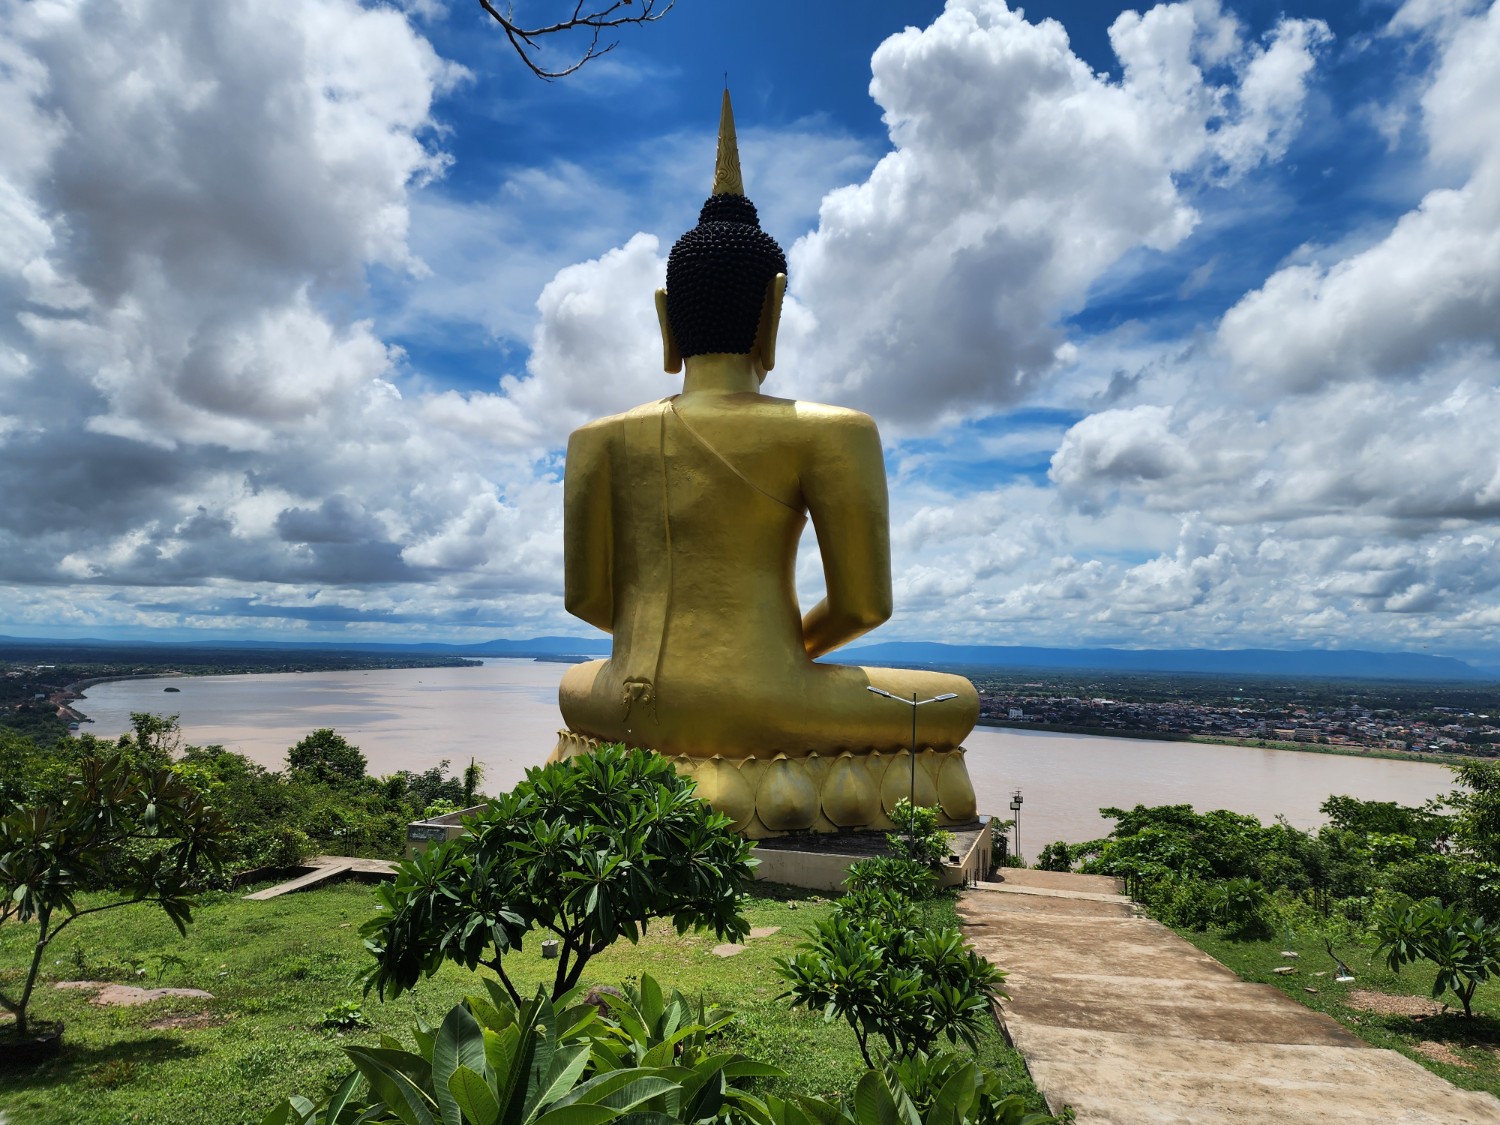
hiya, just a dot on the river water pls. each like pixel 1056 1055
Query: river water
pixel 504 715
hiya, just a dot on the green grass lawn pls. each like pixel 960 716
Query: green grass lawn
pixel 276 967
pixel 1464 1051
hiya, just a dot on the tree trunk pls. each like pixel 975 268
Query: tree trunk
pixel 23 1025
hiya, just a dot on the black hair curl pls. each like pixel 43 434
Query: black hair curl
pixel 717 275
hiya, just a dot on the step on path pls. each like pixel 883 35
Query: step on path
pixel 1129 1024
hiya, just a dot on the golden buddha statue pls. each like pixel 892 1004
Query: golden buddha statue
pixel 681 524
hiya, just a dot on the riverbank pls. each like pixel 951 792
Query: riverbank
pixel 1250 743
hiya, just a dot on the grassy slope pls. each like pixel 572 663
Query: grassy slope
pixel 1475 1042
pixel 275 967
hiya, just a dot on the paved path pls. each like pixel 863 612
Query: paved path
pixel 1120 1018
pixel 324 868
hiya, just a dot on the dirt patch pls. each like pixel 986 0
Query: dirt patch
pixel 126 996
pixel 81 985
pixel 1440 1052
pixel 186 1023
pixel 1391 1004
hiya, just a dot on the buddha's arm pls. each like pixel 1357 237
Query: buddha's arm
pixel 844 486
pixel 588 533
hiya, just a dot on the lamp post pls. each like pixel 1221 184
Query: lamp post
pixel 913 703
pixel 1015 808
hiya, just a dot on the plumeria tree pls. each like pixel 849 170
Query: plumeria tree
pixel 125 834
pixel 588 850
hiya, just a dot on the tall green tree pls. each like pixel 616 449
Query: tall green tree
pixel 326 756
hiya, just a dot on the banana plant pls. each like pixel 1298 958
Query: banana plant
pixel 642 1026
pixel 490 1063
pixel 941 1089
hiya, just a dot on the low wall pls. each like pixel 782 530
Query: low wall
pixel 813 869
pixel 421 833
pixel 819 870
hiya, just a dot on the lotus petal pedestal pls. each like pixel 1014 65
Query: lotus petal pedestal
pixel 776 796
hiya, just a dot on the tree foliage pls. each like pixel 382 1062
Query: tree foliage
pixel 1464 947
pixel 875 965
pixel 590 849
pixel 918 836
pixel 141 836
pixel 274 819
pixel 327 757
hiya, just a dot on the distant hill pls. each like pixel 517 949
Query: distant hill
pixel 536 646
pixel 1348 664
pixel 1246 662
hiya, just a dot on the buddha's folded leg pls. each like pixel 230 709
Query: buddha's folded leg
pixel 579 699
pixel 941 726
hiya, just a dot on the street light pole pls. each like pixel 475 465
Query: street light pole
pixel 1015 807
pixel 913 703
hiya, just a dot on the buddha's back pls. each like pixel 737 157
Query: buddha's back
pixel 704 566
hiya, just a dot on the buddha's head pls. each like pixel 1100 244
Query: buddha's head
pixel 725 277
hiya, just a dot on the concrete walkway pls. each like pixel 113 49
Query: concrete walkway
pixel 1130 1025
pixel 325 868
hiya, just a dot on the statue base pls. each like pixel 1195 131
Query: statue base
pixel 819 793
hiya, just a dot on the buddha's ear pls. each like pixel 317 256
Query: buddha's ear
pixel 770 322
pixel 671 358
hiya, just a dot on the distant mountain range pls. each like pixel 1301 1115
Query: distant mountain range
pixel 1348 664
pixel 1341 663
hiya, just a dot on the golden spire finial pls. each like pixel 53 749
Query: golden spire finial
pixel 727 179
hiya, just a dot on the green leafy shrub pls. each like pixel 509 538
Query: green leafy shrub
pixel 537 1063
pixel 918 836
pixel 345 1016
pixel 1184 903
pixel 886 977
pixel 590 849
pixel 948 1088
pixel 280 847
pixel 945 1089
pixel 1464 947
pixel 1055 857
pixel 907 878
pixel 1242 907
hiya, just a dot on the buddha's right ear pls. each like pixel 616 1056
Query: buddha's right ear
pixel 671 358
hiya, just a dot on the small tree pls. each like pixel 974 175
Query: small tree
pixel 590 849
pixel 140 836
pixel 919 836
pixel 874 964
pixel 1465 948
pixel 1055 857
pixel 327 757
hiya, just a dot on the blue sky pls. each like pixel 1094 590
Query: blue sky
pixel 1179 323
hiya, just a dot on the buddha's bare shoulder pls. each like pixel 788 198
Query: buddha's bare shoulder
pixel 602 427
pixel 815 418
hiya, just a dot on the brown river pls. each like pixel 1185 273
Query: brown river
pixel 504 715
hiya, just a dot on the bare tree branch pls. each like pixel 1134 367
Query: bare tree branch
pixel 586 20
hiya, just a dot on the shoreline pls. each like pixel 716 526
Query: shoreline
pixel 1258 744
